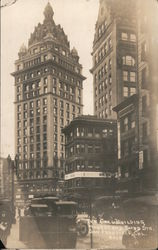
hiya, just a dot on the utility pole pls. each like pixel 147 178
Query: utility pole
pixel 11 168
pixel 90 213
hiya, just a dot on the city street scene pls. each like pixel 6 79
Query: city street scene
pixel 79 130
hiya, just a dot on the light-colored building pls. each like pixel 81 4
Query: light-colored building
pixel 48 95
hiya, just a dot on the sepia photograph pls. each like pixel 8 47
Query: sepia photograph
pixel 79 124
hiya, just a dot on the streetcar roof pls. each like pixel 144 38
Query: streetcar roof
pixel 39 205
pixel 65 203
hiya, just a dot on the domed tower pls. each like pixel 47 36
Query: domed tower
pixel 22 51
pixel 48 95
pixel 75 54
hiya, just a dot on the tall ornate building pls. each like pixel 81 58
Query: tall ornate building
pixel 48 95
pixel 114 56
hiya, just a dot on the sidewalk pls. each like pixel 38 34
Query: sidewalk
pixel 13 239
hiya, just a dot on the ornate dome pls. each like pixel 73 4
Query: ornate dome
pixel 23 49
pixel 48 29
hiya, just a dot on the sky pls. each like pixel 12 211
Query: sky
pixel 77 17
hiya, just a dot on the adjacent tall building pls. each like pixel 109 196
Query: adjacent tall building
pixel 138 115
pixel 114 56
pixel 125 56
pixel 148 91
pixel 48 95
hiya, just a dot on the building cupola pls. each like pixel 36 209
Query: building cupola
pixel 22 51
pixel 48 12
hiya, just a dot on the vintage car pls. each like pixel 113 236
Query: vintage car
pixel 49 223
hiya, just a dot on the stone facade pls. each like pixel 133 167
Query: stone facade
pixel 48 95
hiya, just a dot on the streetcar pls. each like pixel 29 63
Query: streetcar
pixel 49 223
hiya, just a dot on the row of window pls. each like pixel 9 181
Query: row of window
pixel 126 60
pixel 128 122
pixel 128 37
pixel 61 155
pixel 32 104
pixel 83 148
pixel 31 63
pixel 32 130
pixel 38 138
pixel 127 91
pixel 66 77
pixel 31 175
pixel 65 64
pixel 31 156
pixel 40 72
pixel 31 147
pixel 105 112
pixel 33 74
pixel 101 29
pixel 56 146
pixel 33 188
pixel 80 165
pixel 66 88
pixel 32 112
pixel 68 105
pixel 103 51
pixel 104 99
pixel 89 132
pixel 31 122
pixel 55 58
pixel 103 71
pixel 129 76
pixel 31 94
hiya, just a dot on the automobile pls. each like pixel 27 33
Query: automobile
pixel 52 223
pixel 142 217
pixel 82 224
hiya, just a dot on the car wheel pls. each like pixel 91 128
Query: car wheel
pixel 83 229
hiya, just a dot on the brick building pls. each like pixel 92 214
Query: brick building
pixel 114 55
pixel 141 174
pixel 91 155
pixel 48 95
pixel 148 90
pixel 129 166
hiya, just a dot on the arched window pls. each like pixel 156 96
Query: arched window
pixel 128 60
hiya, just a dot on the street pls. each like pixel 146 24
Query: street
pixel 103 236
